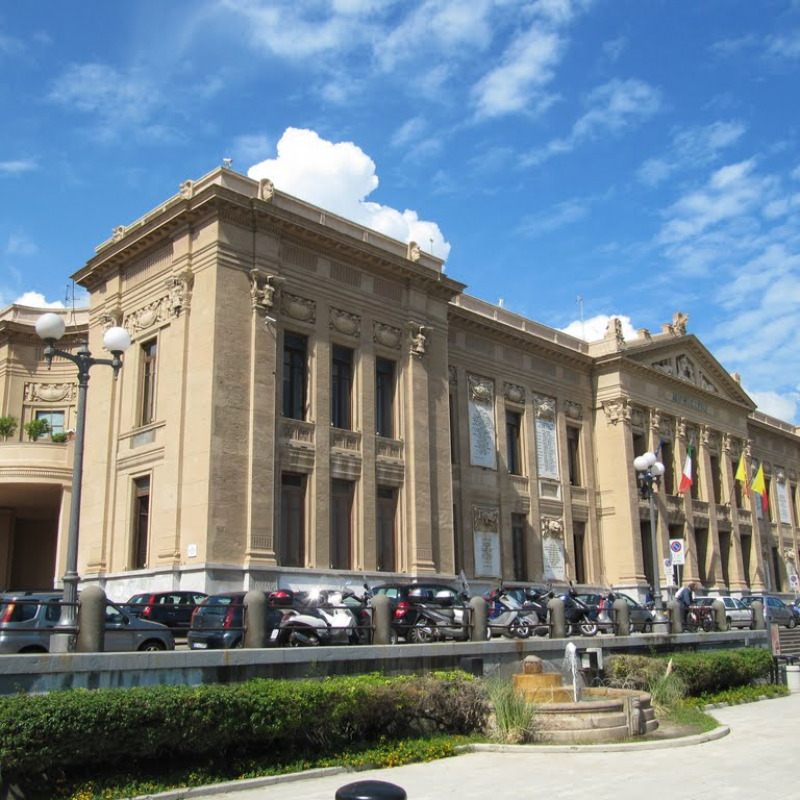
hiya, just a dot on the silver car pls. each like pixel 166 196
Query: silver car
pixel 775 610
pixel 737 614
pixel 27 620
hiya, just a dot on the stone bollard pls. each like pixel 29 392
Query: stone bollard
pixel 255 619
pixel 478 618
pixel 622 618
pixel 759 619
pixel 558 618
pixel 381 619
pixel 675 612
pixel 371 790
pixel 720 617
pixel 91 620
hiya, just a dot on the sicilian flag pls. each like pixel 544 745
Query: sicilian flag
pixel 741 475
pixel 759 486
pixel 686 478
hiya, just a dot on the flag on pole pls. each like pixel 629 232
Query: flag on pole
pixel 759 486
pixel 741 475
pixel 686 478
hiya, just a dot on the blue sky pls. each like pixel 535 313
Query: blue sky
pixel 643 155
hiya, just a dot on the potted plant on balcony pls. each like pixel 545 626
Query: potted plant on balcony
pixel 8 426
pixel 36 428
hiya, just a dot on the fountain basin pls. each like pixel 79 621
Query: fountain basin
pixel 602 714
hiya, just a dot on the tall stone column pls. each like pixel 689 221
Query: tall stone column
pixel 713 565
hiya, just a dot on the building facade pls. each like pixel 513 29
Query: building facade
pixel 307 401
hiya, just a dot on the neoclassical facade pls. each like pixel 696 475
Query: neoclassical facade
pixel 307 401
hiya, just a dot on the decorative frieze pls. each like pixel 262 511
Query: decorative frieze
pixel 50 392
pixel 345 322
pixel 386 335
pixel 299 308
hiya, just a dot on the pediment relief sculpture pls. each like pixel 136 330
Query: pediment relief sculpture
pixel 345 322
pixel 299 308
pixel 386 335
pixel 552 528
pixel 545 407
pixel 514 393
pixel 706 384
pixel 481 390
pixel 665 365
pixel 684 368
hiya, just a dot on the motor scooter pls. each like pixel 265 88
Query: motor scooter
pixel 319 618
pixel 535 609
pixel 581 618
pixel 443 620
pixel 506 616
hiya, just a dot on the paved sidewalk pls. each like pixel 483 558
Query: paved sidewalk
pixel 757 759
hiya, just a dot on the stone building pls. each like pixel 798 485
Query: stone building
pixel 307 401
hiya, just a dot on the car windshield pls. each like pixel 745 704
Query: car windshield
pixel 215 604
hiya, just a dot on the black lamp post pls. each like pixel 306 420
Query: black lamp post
pixel 51 327
pixel 648 473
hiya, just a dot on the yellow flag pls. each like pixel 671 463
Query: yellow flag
pixel 741 475
pixel 759 485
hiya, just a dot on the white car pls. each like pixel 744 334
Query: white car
pixel 737 614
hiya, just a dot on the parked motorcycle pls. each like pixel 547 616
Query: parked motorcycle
pixel 534 607
pixel 443 619
pixel 318 618
pixel 581 618
pixel 506 616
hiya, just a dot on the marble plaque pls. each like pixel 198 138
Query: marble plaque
pixel 482 446
pixel 553 558
pixel 487 554
pixel 783 504
pixel 546 448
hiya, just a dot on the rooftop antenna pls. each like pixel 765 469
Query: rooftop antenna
pixel 69 298
pixel 579 301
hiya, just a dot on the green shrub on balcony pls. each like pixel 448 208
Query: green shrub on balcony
pixel 8 427
pixel 36 428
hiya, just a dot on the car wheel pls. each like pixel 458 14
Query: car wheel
pixel 421 633
pixel 152 646
pixel 728 623
pixel 792 623
pixel 647 627
pixel 33 649
pixel 393 637
pixel 238 644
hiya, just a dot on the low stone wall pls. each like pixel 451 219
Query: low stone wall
pixel 42 673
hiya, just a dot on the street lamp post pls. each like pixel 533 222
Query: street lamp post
pixel 51 327
pixel 648 472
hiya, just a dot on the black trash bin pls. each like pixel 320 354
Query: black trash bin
pixel 371 790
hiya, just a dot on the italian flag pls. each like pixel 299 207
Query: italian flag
pixel 686 478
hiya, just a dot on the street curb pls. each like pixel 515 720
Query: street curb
pixel 655 744
pixel 240 785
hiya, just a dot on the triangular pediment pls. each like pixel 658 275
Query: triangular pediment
pixel 684 360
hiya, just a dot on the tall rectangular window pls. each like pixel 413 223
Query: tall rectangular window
pixel 513 442
pixel 341 524
pixel 747 547
pixel 647 550
pixel 295 358
pixel 574 455
pixel 701 540
pixel 777 570
pixel 386 524
pixel 518 550
pixel 725 555
pixel 771 516
pixel 54 420
pixel 737 485
pixel 384 397
pixel 141 521
pixel 341 387
pixel 148 383
pixel 453 437
pixel 695 490
pixel 579 546
pixel 793 501
pixel 293 520
pixel 716 479
pixel 667 458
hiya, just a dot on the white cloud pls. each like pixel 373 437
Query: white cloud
pixel 594 328
pixel 786 46
pixel 613 107
pixel 37 300
pixel 776 405
pixel 20 245
pixel 559 216
pixel 339 177
pixel 691 148
pixel 17 167
pixel 411 130
pixel 527 65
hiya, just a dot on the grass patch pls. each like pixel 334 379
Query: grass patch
pixel 739 694
pixel 116 785
pixel 690 717
pixel 514 717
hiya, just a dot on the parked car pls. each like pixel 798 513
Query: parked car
pixel 775 610
pixel 405 597
pixel 218 622
pixel 173 609
pixel 27 620
pixel 640 617
pixel 737 614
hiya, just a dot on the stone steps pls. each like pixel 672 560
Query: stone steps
pixel 790 641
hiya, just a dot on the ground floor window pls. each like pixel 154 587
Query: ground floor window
pixel 293 524
pixel 386 529
pixel 141 521
pixel 519 525
pixel 341 524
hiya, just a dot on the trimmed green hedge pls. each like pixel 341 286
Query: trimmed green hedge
pixel 116 726
pixel 707 672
